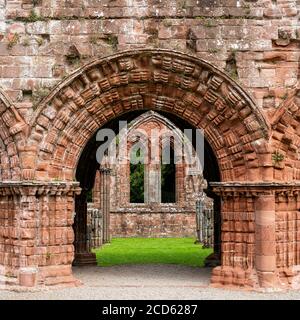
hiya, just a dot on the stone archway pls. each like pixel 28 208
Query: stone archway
pixel 286 139
pixel 162 80
pixel 151 216
pixel 12 131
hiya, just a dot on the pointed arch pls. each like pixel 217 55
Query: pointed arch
pixel 165 135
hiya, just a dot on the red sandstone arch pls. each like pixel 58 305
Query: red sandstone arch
pixel 12 131
pixel 147 79
pixel 259 218
pixel 286 138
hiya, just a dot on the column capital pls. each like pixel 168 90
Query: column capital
pixel 37 188
pixel 255 189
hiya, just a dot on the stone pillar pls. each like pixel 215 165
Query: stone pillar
pixel 122 185
pixel 237 236
pixel 152 183
pixel 180 185
pixel 265 240
pixel 83 256
pixel 105 202
pixel 97 190
pixel 36 234
pixel 259 234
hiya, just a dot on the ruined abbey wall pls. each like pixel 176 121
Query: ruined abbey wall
pixel 255 42
pixel 249 108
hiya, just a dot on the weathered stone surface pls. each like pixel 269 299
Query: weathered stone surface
pixel 46 119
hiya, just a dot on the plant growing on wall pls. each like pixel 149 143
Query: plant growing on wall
pixel 277 158
pixel 13 39
pixel 112 41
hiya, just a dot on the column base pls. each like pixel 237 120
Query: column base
pixel 224 276
pixel 84 259
pixel 213 260
pixel 290 277
pixel 39 278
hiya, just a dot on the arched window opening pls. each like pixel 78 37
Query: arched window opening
pixel 168 180
pixel 137 180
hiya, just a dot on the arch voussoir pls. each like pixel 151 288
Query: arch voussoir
pixel 285 139
pixel 13 131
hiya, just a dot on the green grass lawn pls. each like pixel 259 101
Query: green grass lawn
pixel 152 251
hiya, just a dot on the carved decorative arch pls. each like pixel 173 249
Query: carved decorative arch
pixel 286 137
pixel 12 132
pixel 172 82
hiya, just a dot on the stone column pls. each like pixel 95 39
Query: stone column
pixel 237 236
pixel 105 202
pixel 152 183
pixel 265 240
pixel 36 234
pixel 96 190
pixel 83 256
pixel 250 223
pixel 180 185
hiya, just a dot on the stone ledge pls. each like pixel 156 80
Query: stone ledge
pixel 36 188
pixel 241 184
pixel 255 188
pixel 153 209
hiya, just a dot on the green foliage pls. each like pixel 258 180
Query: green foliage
pixel 213 50
pixel 166 170
pixel 39 41
pixel 181 251
pixel 277 156
pixel 231 66
pixel 33 17
pixel 112 41
pixel 137 183
pixel 26 42
pixel 94 39
pixel 39 94
pixel 137 174
pixel 89 196
pixel 209 23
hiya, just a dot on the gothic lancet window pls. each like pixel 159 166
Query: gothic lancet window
pixel 137 180
pixel 168 180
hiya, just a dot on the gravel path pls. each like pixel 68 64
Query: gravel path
pixel 145 282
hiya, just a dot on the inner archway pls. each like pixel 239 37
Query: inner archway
pixel 122 211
